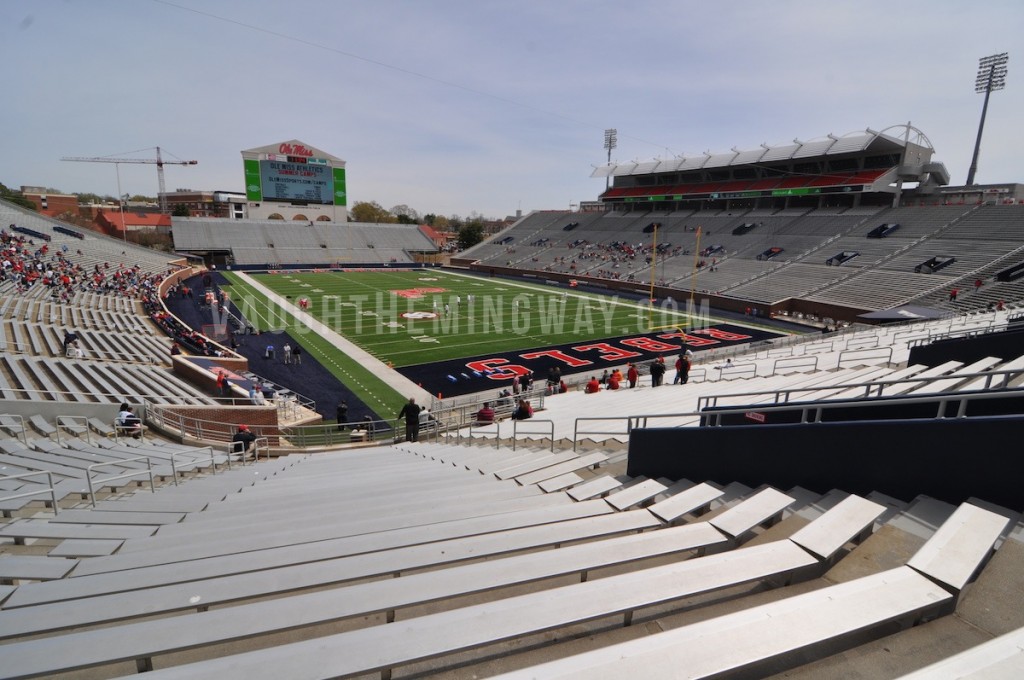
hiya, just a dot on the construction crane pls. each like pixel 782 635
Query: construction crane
pixel 158 161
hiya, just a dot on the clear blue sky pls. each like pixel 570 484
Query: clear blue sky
pixel 456 106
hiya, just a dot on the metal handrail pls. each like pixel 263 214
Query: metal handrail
pixel 551 434
pixel 796 362
pixel 49 484
pixel 234 449
pixel 23 431
pixel 77 422
pixel 127 430
pixel 875 387
pixel 212 459
pixel 714 418
pixel 497 431
pixel 873 352
pixel 576 432
pixel 127 475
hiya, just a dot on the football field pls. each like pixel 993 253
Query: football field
pixel 411 317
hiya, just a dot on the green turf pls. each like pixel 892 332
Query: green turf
pixel 363 307
pixel 362 381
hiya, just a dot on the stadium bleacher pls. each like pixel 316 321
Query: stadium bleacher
pixel 561 549
pixel 273 243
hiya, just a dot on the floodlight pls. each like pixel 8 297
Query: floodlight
pixel 991 76
pixel 611 140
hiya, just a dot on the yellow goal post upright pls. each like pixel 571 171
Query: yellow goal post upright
pixel 696 265
pixel 654 271
pixel 693 285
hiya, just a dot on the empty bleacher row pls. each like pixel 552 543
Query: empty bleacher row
pixel 36 378
pixel 47 340
pixel 542 557
pixel 86 461
pixel 123 316
pixel 274 242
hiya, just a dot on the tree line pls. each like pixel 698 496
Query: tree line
pixel 470 229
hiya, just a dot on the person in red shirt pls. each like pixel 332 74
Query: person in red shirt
pixel 632 375
pixel 593 385
pixel 614 379
pixel 485 414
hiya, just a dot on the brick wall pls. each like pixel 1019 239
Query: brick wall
pixel 219 423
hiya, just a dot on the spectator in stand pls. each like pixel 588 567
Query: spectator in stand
pixel 952 294
pixel 69 338
pixel 342 414
pixel 615 379
pixel 426 418
pixel 243 441
pixel 256 394
pixel 657 372
pixel 524 411
pixel 175 349
pixel 554 377
pixel 411 413
pixel 223 384
pixel 128 422
pixel 632 375
pixel 593 385
pixel 485 414
pixel 682 368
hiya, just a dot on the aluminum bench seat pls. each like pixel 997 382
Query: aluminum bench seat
pixel 82 607
pixel 120 573
pixel 380 648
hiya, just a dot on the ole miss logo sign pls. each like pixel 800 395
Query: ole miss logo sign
pixel 295 150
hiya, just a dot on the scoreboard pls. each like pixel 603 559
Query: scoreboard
pixel 299 180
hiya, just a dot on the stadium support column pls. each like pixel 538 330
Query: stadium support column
pixel 903 161
pixel 991 76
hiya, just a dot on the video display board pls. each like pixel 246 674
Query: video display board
pixel 290 181
pixel 295 179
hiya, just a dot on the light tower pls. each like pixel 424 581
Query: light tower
pixel 991 76
pixel 611 140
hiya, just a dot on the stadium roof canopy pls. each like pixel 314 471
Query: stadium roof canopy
pixel 899 139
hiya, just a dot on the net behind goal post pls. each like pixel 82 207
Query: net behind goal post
pixel 218 332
